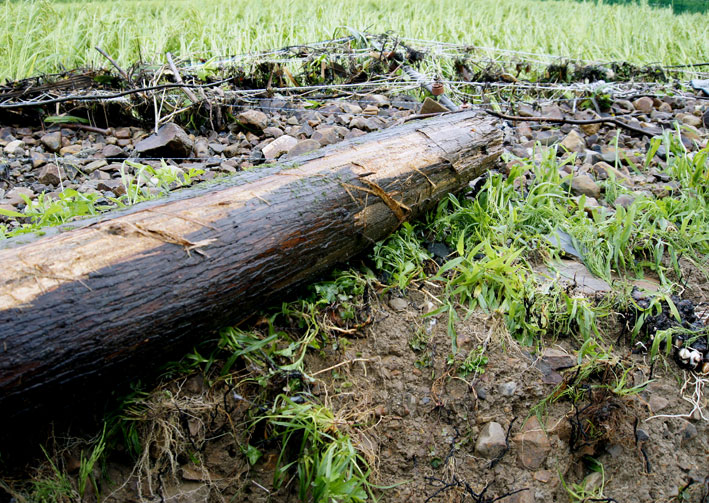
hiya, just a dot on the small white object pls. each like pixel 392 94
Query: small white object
pixel 684 355
pixel 695 357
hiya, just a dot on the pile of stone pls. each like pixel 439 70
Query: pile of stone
pixel 35 161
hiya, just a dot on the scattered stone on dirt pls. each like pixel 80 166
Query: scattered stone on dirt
pixel 281 145
pixel 253 119
pixel 51 174
pixel 491 441
pixel 268 134
pixel 170 141
pixel 52 141
pixel 584 185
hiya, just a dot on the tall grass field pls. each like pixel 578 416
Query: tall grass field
pixel 38 36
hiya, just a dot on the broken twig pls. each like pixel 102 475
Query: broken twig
pixel 113 62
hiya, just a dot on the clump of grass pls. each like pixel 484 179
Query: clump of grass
pixel 328 466
pixel 499 235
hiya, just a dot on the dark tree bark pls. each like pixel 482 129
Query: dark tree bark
pixel 110 299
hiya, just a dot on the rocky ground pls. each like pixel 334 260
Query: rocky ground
pixel 440 438
pixel 39 160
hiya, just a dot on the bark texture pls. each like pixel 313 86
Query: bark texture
pixel 109 299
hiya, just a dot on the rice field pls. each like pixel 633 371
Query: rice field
pixel 39 36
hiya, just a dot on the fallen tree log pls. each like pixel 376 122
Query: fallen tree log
pixel 112 298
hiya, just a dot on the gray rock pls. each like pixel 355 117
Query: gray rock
pixel 691 133
pixel 170 141
pixel 350 108
pixel 113 152
pixel 661 116
pixel 38 159
pixel 657 403
pixel 491 441
pixel 6 134
pixel 507 388
pixel 644 105
pixel 525 110
pixel 689 119
pixel 432 107
pixel 201 149
pixel 253 119
pixel 302 147
pixel 603 170
pixel 303 131
pixel 231 150
pixel 398 304
pixel 52 141
pixel 14 195
pixel 524 496
pixel 376 99
pixel 279 146
pixel 364 124
pixel 325 136
pixel 354 133
pixel 51 174
pixel 114 185
pixel 624 105
pixel 584 184
pixel 552 111
pixel 256 157
pixel 547 138
pixel 688 432
pixel 100 175
pixel 122 133
pixel 624 200
pixel 216 147
pixel 592 482
pixel 557 359
pixel 533 445
pixel 6 207
pixel 14 146
pixel 70 149
pixel 273 132
pixel 94 165
pixel 574 142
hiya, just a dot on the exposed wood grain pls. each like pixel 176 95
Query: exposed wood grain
pixel 110 299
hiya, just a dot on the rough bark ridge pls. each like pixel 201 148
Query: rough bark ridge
pixel 108 300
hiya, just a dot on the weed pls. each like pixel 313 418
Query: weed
pixel 587 490
pixel 327 465
pixel 474 363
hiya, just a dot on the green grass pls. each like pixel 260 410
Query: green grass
pixel 43 36
pixel 146 183
pixel 501 233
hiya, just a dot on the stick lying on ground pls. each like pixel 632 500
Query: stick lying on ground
pixel 113 298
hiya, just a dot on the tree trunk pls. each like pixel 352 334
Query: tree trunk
pixel 111 298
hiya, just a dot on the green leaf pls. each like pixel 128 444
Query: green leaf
pixel 11 213
pixel 65 119
pixel 252 454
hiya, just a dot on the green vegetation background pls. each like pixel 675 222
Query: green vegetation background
pixel 45 36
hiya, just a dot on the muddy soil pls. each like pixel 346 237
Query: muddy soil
pixel 437 436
